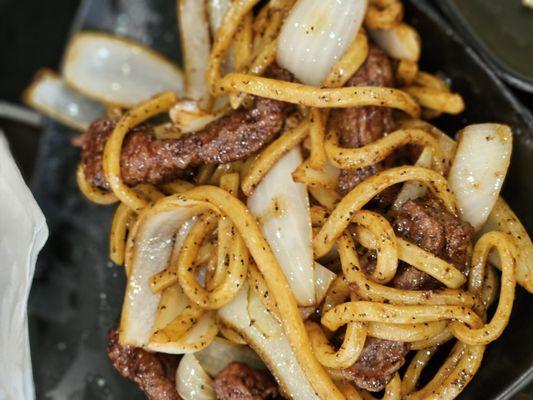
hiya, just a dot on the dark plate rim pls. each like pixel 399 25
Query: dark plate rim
pixel 507 73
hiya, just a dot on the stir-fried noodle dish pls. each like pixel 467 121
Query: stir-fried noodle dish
pixel 289 222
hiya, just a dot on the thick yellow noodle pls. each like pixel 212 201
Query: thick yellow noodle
pixel 312 96
pixel 385 240
pixel 341 216
pixel 230 24
pixel 477 336
pixel 350 62
pixel 119 227
pixel 221 201
pixel 367 289
pixel 372 153
pixel 415 368
pixel 349 351
pixel 271 155
pixel 113 146
pixel 92 193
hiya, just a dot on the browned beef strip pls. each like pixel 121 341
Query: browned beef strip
pixel 359 126
pixel 154 373
pixel 379 361
pixel 427 223
pixel 238 381
pixel 146 159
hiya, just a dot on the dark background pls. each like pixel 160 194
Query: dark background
pixel 32 36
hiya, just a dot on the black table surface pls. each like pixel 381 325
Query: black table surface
pixel 32 36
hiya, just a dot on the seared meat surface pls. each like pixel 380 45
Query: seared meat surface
pixel 427 223
pixel 145 159
pixel 379 361
pixel 238 381
pixel 154 373
pixel 359 126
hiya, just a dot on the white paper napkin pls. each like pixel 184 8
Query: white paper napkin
pixel 23 232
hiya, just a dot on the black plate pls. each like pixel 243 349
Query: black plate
pixel 77 293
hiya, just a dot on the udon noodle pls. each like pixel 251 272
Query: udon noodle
pixel 224 249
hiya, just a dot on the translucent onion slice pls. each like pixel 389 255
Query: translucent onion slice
pixel 401 42
pixel 323 279
pixel 196 46
pixel 216 10
pixel 281 207
pixel 49 94
pixel 478 171
pixel 148 252
pixel 503 219
pixel 275 352
pixel 261 318
pixel 414 190
pixel 316 34
pixel 117 71
pixel 192 382
pixel 188 117
pixel 221 352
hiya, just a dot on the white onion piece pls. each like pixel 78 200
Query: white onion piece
pixel 188 117
pixel 221 352
pixel 400 42
pixel 196 46
pixel 323 279
pixel 216 10
pixel 275 352
pixel 316 34
pixel 413 190
pixel 192 382
pixel 503 219
pixel 479 169
pixel 117 71
pixel 49 94
pixel 261 318
pixel 150 254
pixel 281 207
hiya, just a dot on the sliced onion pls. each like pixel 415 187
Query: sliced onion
pixel 148 252
pixel 188 117
pixel 401 42
pixel 221 352
pixel 261 318
pixel 414 190
pixel 192 382
pixel 281 207
pixel 316 34
pixel 216 9
pixel 323 279
pixel 49 94
pixel 196 46
pixel 503 219
pixel 478 171
pixel 275 352
pixel 117 71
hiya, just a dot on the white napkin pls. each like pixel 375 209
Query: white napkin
pixel 23 232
